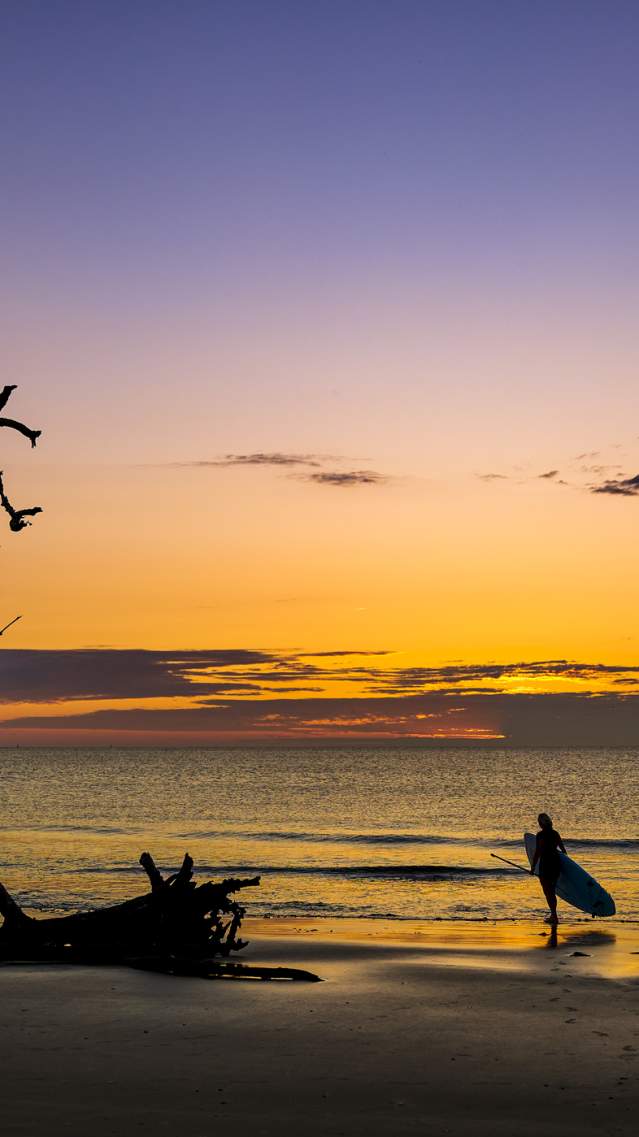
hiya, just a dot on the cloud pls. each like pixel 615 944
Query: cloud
pixel 228 695
pixel 625 487
pixel 338 654
pixel 34 676
pixel 199 679
pixel 598 469
pixel 592 475
pixel 283 460
pixel 346 478
pixel 52 676
pixel 518 720
pixel 259 458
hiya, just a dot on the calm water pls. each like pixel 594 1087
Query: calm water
pixel 334 832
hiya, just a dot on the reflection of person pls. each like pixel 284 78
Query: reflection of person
pixel 17 516
pixel 549 845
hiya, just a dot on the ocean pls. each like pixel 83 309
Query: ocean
pixel 379 832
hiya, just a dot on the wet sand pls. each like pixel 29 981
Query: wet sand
pixel 453 1032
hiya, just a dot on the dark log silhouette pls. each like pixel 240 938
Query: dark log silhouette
pixel 179 927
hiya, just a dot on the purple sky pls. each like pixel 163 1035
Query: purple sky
pixel 327 312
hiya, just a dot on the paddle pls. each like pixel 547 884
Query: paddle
pixel 507 862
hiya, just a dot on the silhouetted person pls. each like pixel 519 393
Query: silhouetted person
pixel 17 516
pixel 549 845
pixel 5 395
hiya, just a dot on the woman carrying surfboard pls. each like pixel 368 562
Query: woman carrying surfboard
pixel 547 848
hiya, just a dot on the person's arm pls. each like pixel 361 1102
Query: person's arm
pixel 561 844
pixel 536 856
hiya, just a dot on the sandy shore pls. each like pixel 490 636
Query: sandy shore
pixel 513 1039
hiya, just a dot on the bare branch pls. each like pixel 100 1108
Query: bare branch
pixel 17 516
pixel 10 624
pixel 5 394
pixel 32 435
pixel 152 871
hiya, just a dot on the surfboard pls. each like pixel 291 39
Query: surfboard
pixel 575 885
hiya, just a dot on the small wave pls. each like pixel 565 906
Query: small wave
pixel 319 908
pixel 571 842
pixel 86 828
pixel 602 843
pixel 336 838
pixel 390 839
pixel 379 872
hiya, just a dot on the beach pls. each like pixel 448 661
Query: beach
pixel 319 644
pixel 434 1030
pixel 445 1007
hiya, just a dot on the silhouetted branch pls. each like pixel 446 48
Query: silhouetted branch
pixel 10 624
pixel 5 395
pixel 153 873
pixel 32 435
pixel 17 516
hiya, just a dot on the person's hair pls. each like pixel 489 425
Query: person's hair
pixel 545 820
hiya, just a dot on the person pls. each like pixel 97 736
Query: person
pixel 549 845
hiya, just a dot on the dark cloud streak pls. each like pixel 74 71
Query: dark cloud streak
pixel 259 458
pixel 346 478
pixel 623 487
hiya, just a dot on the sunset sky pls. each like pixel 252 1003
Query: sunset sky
pixel 328 315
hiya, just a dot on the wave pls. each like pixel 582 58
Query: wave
pixel 602 843
pixel 335 838
pixel 378 872
pixel 86 828
pixel 390 839
pixel 319 910
pixel 323 838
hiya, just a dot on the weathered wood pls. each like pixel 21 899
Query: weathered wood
pixel 176 916
pixel 153 873
pixel 177 929
pixel 14 917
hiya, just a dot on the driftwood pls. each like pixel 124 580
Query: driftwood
pixel 178 928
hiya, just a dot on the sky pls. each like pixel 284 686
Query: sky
pixel 327 314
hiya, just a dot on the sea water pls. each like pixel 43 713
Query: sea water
pixel 377 832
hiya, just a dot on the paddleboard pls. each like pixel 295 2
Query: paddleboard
pixel 575 885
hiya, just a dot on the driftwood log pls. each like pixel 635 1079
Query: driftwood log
pixel 178 928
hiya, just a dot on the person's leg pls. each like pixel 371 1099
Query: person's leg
pixel 548 885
